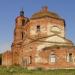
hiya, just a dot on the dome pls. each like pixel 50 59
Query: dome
pixel 43 13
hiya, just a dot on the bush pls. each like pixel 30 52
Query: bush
pixel 15 70
pixel 39 68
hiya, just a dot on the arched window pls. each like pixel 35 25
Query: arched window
pixel 52 58
pixel 30 59
pixel 69 57
pixel 38 28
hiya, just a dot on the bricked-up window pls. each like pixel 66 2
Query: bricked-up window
pixel 38 28
pixel 52 58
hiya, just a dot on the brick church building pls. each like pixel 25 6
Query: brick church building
pixel 40 42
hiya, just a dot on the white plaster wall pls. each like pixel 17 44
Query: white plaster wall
pixel 50 39
pixel 49 29
pixel 33 30
pixel 40 47
pixel 49 32
pixel 45 29
pixel 55 39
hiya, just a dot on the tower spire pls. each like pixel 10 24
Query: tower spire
pixel 22 12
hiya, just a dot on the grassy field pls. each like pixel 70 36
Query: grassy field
pixel 23 71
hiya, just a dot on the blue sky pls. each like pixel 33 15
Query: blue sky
pixel 9 10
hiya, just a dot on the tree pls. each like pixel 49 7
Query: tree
pixel 0 59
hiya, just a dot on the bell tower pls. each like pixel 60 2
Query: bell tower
pixel 20 22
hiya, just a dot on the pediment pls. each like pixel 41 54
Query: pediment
pixel 56 39
pixel 52 41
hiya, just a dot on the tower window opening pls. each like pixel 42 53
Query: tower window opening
pixel 16 20
pixel 14 33
pixel 38 28
pixel 22 35
pixel 23 22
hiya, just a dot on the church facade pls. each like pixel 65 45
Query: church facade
pixel 40 42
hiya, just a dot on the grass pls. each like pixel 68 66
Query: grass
pixel 23 71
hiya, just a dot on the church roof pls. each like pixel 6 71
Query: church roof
pixel 43 13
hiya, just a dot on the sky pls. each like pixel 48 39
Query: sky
pixel 9 10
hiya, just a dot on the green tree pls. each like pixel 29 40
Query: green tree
pixel 0 59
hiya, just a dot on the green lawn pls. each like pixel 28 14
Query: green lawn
pixel 23 71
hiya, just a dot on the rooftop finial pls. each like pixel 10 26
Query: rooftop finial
pixel 45 8
pixel 22 12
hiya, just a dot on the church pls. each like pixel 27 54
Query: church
pixel 40 42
